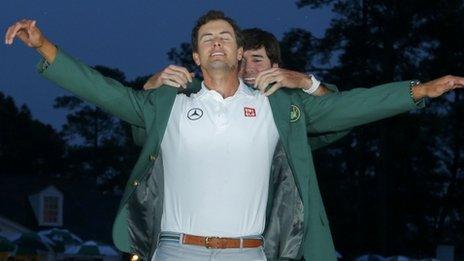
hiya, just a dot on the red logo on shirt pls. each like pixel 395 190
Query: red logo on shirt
pixel 249 112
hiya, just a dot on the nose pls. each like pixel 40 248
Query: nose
pixel 217 42
pixel 248 67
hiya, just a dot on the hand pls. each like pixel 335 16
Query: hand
pixel 437 87
pixel 175 76
pixel 29 33
pixel 26 31
pixel 279 77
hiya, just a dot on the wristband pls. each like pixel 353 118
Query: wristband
pixel 412 84
pixel 314 86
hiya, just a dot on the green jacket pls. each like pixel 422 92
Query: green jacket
pixel 138 219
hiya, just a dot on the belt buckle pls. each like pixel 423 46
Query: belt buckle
pixel 208 241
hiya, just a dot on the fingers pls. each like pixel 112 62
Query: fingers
pixel 30 27
pixel 286 78
pixel 274 88
pixel 440 86
pixel 10 34
pixel 266 81
pixel 23 36
pixel 171 83
pixel 452 82
pixel 263 78
pixel 458 82
pixel 180 71
pixel 176 74
pixel 13 30
pixel 176 78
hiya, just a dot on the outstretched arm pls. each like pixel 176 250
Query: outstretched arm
pixel 340 111
pixel 85 82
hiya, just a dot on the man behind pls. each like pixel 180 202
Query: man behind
pixel 261 61
pixel 225 164
pixel 260 68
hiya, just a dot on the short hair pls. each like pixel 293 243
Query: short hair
pixel 214 15
pixel 256 38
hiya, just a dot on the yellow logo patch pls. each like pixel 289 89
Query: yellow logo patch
pixel 294 113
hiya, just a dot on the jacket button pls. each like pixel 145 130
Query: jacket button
pixel 152 157
pixel 136 183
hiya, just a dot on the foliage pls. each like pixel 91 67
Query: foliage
pixel 99 145
pixel 396 185
pixel 27 146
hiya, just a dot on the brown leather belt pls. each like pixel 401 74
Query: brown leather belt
pixel 220 242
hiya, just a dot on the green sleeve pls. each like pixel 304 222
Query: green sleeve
pixel 322 140
pixel 89 85
pixel 331 87
pixel 344 110
pixel 318 141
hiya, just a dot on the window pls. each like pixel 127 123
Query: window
pixel 51 209
pixel 48 207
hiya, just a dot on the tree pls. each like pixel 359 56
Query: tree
pixel 27 146
pixel 298 50
pixel 414 174
pixel 183 56
pixel 99 145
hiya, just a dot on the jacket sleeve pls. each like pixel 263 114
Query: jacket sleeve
pixel 344 110
pixel 89 85
pixel 323 140
pixel 331 87
pixel 317 141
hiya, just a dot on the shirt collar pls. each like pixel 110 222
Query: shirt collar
pixel 243 89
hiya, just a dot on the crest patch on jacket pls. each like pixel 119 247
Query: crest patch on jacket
pixel 294 113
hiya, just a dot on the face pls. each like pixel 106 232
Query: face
pixel 254 62
pixel 217 47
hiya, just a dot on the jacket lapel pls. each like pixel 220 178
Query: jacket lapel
pixel 280 105
pixel 163 106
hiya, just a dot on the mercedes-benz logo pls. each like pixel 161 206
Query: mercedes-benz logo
pixel 194 114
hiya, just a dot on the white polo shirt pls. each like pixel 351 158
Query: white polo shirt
pixel 217 157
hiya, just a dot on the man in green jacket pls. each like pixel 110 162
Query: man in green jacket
pixel 261 60
pixel 218 121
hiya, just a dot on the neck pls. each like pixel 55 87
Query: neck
pixel 224 83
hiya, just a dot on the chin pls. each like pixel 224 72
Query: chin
pixel 219 65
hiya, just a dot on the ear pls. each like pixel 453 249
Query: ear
pixel 240 53
pixel 275 65
pixel 196 58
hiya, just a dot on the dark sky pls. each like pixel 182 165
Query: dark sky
pixel 133 36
